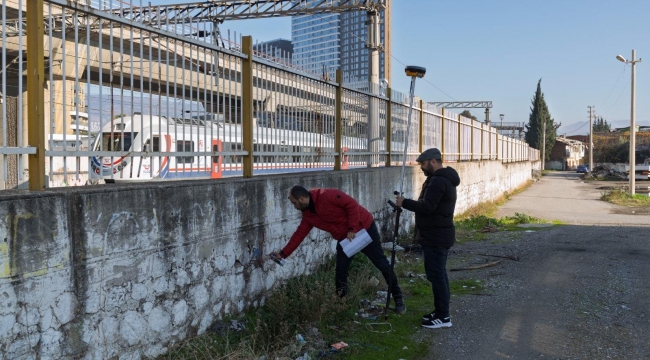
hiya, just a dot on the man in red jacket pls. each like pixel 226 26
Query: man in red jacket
pixel 339 214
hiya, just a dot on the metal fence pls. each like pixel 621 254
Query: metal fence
pixel 114 99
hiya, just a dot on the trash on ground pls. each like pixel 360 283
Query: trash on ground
pixel 389 246
pixel 339 345
pixel 534 225
pixel 237 325
pixel 300 339
pixel 489 229
pixel 605 172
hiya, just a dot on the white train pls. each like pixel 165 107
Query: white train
pixel 146 147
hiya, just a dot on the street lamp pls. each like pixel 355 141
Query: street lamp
pixel 501 125
pixel 632 173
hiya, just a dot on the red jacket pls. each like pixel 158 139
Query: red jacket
pixel 333 211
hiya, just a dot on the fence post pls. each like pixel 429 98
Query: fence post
pixel 460 136
pixel 421 126
pixel 247 105
pixel 482 141
pixel 471 140
pixel 442 136
pixel 389 127
pixel 489 128
pixel 497 141
pixel 338 108
pixel 35 97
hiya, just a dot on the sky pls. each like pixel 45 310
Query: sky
pixel 498 50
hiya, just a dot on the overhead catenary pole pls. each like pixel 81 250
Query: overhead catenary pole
pixel 374 46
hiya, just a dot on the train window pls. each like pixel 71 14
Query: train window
pixel 185 146
pixel 235 158
pixel 156 144
pixel 117 141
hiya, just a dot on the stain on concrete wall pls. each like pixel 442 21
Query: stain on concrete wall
pixel 129 271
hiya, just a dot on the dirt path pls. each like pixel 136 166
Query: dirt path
pixel 579 291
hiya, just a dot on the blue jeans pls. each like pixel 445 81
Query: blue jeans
pixel 375 254
pixel 435 266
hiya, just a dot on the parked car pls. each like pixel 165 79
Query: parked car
pixel 582 169
pixel 641 172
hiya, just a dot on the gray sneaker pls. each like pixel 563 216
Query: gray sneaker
pixel 400 307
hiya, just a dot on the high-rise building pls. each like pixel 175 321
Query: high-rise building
pixel 323 43
pixel 281 50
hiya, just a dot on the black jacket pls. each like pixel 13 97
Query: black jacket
pixel 434 209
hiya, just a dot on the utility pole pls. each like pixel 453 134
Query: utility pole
pixel 633 126
pixel 632 172
pixel 591 138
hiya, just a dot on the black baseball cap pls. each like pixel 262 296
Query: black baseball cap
pixel 429 154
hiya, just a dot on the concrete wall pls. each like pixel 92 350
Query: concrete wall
pixel 128 271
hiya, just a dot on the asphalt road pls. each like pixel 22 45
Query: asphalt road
pixel 579 291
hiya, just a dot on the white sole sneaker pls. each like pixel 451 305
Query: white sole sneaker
pixel 436 324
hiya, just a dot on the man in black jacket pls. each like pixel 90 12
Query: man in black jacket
pixel 434 229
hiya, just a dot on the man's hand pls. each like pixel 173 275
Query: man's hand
pixel 351 235
pixel 398 200
pixel 275 255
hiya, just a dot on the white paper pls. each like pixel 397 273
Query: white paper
pixel 360 241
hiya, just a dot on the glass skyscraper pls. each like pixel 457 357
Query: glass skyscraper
pixel 323 43
pixel 316 42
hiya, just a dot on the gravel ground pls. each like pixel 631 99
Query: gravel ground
pixel 579 291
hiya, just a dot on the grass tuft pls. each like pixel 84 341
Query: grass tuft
pixel 620 197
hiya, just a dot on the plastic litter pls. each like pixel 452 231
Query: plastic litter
pixel 339 345
pixel 300 339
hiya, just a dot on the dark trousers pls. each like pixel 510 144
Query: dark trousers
pixel 375 253
pixel 435 266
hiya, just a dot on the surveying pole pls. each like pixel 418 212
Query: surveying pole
pixel 414 72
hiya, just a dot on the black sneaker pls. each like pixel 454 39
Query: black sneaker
pixel 437 323
pixel 400 307
pixel 429 316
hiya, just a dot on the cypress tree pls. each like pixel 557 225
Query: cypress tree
pixel 601 125
pixel 539 115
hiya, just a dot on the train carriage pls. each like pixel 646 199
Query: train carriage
pixel 147 147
